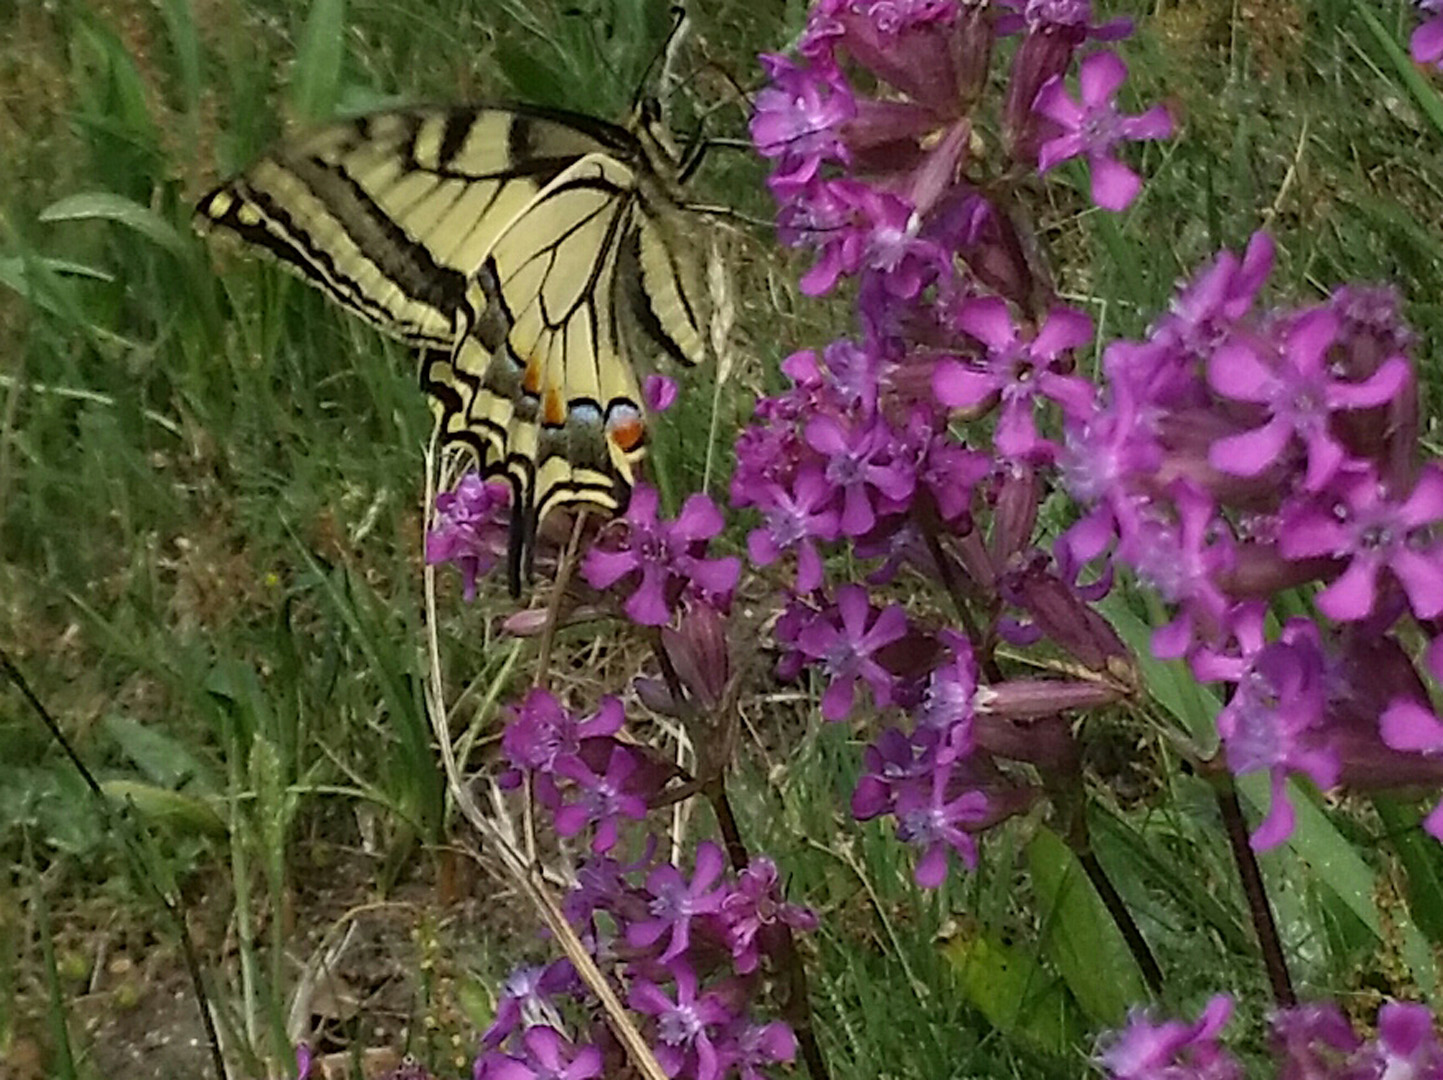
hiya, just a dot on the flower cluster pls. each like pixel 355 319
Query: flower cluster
pixel 690 951
pixel 471 528
pixel 1235 454
pixel 1314 1041
pixel 891 186
pixel 862 450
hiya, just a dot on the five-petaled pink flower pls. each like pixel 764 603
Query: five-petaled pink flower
pixel 1092 125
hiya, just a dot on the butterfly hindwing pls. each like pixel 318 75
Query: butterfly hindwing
pixel 541 367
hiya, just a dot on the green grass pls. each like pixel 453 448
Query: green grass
pixel 210 521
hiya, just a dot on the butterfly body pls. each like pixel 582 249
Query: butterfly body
pixel 530 254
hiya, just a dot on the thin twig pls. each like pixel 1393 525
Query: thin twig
pixel 523 874
pixel 172 904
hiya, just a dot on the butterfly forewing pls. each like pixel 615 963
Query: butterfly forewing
pixel 391 214
pixel 521 250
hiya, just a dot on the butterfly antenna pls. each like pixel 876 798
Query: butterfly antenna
pixel 665 57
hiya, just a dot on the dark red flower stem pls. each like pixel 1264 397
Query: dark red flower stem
pixel 1079 840
pixel 780 945
pixel 1264 925
pixel 982 646
pixel 1122 918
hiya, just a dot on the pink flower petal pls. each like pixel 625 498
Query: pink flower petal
pixel 1278 825
pixel 1099 78
pixel 989 321
pixel 1421 573
pixel 957 386
pixel 1382 386
pixel 1114 185
pixel 1236 371
pixel 1065 328
pixel 838 699
pixel 1411 726
pixel 1156 123
pixel 1424 504
pixel 1251 452
pixel 1351 597
pixel 1426 44
pixel 931 868
pixel 1055 151
pixel 1056 104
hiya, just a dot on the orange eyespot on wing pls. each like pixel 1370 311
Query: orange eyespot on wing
pixel 625 427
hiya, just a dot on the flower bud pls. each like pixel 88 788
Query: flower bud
pixel 698 651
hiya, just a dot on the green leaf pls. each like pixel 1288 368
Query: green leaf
pixel 319 59
pixel 185 43
pixel 1079 936
pixel 1016 994
pixel 108 206
pixel 170 809
pixel 1169 682
pixel 1422 860
pixel 163 759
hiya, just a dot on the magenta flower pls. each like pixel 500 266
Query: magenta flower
pixel 1374 532
pixel 861 465
pixel 1426 44
pixel 1312 1040
pixel 755 1048
pixel 1272 720
pixel 1017 369
pixel 471 529
pixel 1093 126
pixel 1171 1050
pixel 600 800
pixel 664 559
pixel 944 717
pixel 796 519
pixel 798 118
pixel 756 904
pixel 1406 1048
pixel 929 820
pixel 547 1056
pixel 675 901
pixel 888 764
pixel 1183 562
pixel 844 641
pixel 1206 310
pixel 1300 393
pixel 525 992
pixel 542 731
pixel 685 1028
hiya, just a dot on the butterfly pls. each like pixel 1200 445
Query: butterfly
pixel 531 255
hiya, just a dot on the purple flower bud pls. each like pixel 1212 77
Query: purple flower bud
pixel 699 653
pixel 1062 615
